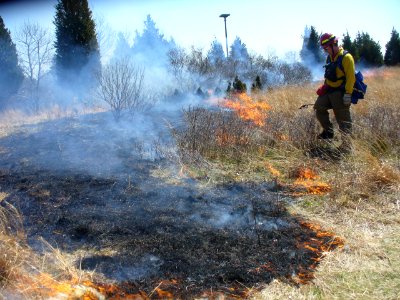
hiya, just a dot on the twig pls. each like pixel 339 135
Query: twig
pixel 306 105
pixel 152 292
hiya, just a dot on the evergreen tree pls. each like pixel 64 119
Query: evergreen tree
pixel 349 45
pixel 122 48
pixel 238 60
pixel 392 54
pixel 311 50
pixel 368 51
pixel 239 51
pixel 11 75
pixel 304 53
pixel 216 54
pixel 150 46
pixel 76 45
pixel 239 86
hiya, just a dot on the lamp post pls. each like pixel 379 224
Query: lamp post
pixel 226 34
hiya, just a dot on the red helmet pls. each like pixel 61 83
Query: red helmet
pixel 328 39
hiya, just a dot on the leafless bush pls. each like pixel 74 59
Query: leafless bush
pixel 295 73
pixel 216 133
pixel 197 62
pixel 178 66
pixel 120 86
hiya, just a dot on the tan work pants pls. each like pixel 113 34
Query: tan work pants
pixel 333 100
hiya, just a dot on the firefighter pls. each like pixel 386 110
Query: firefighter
pixel 336 91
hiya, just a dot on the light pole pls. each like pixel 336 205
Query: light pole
pixel 226 34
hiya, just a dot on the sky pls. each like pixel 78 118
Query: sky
pixel 267 27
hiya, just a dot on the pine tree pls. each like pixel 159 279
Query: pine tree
pixel 239 86
pixel 349 45
pixel 239 59
pixel 11 75
pixel 239 51
pixel 369 51
pixel 76 43
pixel 392 54
pixel 151 46
pixel 216 54
pixel 122 48
pixel 311 50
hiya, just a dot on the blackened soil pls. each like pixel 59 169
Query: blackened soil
pixel 140 229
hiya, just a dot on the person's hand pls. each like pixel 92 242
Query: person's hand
pixel 347 99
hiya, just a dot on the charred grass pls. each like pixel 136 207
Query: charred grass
pixel 362 204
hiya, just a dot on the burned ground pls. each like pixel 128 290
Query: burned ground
pixel 83 187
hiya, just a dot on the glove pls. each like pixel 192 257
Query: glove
pixel 347 99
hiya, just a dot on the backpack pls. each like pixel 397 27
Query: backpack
pixel 360 88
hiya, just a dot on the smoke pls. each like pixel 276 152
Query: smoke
pixel 78 129
pixel 316 68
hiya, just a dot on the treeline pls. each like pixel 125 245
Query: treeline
pixel 73 57
pixel 364 49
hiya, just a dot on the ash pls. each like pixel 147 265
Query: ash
pixel 82 186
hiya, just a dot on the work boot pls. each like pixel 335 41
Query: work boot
pixel 325 135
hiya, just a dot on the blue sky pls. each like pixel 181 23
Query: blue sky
pixel 265 26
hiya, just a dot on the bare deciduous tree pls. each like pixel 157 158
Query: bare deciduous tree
pixel 198 62
pixel 35 54
pixel 105 37
pixel 177 62
pixel 120 86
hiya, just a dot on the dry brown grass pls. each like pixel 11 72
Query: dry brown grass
pixel 11 119
pixel 12 249
pixel 363 204
pixel 25 274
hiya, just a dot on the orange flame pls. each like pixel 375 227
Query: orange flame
pixel 308 179
pixel 283 137
pixel 225 139
pixel 324 242
pixel 314 248
pixel 273 171
pixel 43 285
pixel 164 294
pixel 306 174
pixel 248 109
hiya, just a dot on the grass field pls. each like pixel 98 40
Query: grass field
pixel 363 206
pixel 359 199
